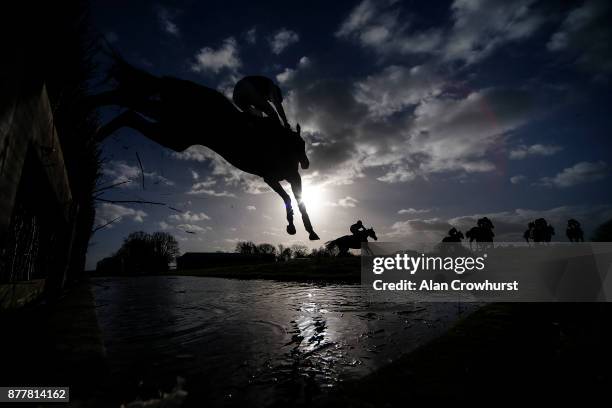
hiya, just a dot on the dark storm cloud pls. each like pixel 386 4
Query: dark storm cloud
pixel 586 34
pixel 405 119
pixel 167 22
pixel 477 28
pixel 402 120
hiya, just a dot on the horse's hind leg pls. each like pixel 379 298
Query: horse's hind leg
pixel 129 119
pixel 145 105
pixel 275 185
pixel 151 130
pixel 296 187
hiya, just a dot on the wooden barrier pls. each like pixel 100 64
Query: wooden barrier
pixel 34 182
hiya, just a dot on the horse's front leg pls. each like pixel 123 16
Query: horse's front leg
pixel 275 185
pixel 296 187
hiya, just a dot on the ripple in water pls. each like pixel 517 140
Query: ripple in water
pixel 259 342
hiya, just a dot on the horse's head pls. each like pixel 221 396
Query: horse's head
pixel 372 234
pixel 293 145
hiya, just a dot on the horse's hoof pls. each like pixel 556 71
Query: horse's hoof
pixel 313 236
pixel 291 229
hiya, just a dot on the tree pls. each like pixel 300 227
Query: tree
pixel 299 250
pixel 323 252
pixel 266 248
pixel 143 253
pixel 603 233
pixel 284 253
pixel 165 246
pixel 246 247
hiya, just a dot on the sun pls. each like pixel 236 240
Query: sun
pixel 314 197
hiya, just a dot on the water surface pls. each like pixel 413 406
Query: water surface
pixel 254 342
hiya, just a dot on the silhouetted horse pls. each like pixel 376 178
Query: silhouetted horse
pixel 178 114
pixel 347 242
pixel 481 233
pixel 574 231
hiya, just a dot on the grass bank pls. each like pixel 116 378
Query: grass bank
pixel 307 269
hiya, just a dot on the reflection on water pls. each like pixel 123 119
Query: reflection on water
pixel 259 342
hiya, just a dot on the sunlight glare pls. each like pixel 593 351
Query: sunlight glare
pixel 314 197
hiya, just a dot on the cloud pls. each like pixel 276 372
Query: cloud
pixel 288 73
pixel 204 187
pixel 478 28
pixel 120 171
pixel 209 182
pixel 405 128
pixel 395 88
pixel 398 174
pixel 282 39
pixel 107 212
pixel 191 227
pixel 251 35
pixel 579 173
pixel 518 179
pixel 425 230
pixel 166 18
pixel 195 175
pixel 456 134
pixel 509 225
pixel 358 18
pixel 189 216
pixel 215 60
pixel 524 151
pixel 210 192
pixel 251 208
pixel 378 26
pixel 413 211
pixel 585 35
pixel 222 170
pixel 346 202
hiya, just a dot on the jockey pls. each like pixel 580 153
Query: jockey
pixel 253 94
pixel 357 227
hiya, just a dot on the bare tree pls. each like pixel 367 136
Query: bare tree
pixel 299 250
pixel 143 253
pixel 284 253
pixel 266 248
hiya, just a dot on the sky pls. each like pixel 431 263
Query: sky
pixel 418 116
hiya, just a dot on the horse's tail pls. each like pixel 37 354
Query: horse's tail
pixel 127 77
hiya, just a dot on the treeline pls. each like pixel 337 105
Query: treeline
pixel 282 252
pixel 141 253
